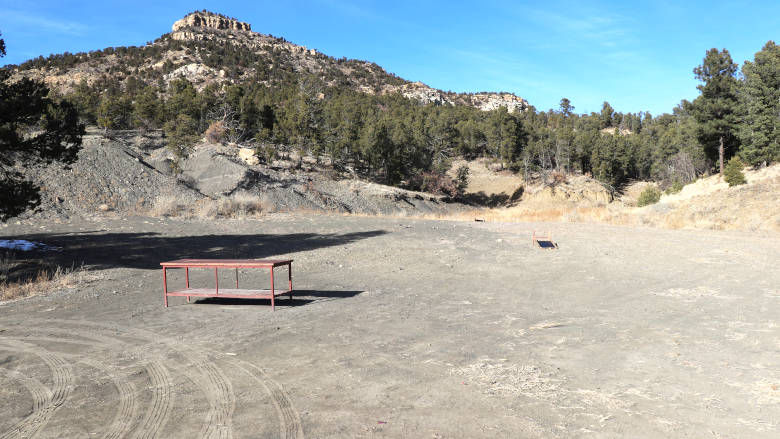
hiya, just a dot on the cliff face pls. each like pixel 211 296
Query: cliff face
pixel 210 20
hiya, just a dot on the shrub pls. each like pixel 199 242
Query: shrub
pixel 462 178
pixel 181 133
pixel 676 187
pixel 215 133
pixel 557 177
pixel 435 183
pixel 650 195
pixel 732 173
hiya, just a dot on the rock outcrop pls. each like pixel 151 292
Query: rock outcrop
pixel 210 20
pixel 485 101
pixel 492 101
pixel 421 93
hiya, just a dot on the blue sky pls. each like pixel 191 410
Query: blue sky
pixel 639 56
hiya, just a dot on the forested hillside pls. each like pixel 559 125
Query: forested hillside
pixel 354 115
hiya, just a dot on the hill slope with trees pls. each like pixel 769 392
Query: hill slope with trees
pixel 236 86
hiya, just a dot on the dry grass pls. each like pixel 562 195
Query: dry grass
pixel 241 205
pixel 705 204
pixel 540 212
pixel 483 179
pixel 44 280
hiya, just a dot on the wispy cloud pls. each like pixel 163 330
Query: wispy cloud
pixel 584 33
pixel 605 30
pixel 502 70
pixel 26 19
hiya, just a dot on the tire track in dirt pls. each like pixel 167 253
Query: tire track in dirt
pixel 40 395
pixel 159 410
pixel 289 422
pixel 209 378
pixel 207 375
pixel 62 378
pixel 222 401
pixel 162 400
pixel 128 404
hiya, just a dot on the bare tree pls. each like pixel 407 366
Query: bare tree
pixel 230 125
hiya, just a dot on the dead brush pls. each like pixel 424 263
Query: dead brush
pixel 236 206
pixel 555 178
pixel 241 205
pixel 167 205
pixel 7 264
pixel 46 279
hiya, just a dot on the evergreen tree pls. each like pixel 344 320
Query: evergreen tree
pixel 115 112
pixel 182 99
pixel 607 115
pixel 566 108
pixel 33 128
pixel 716 108
pixel 147 110
pixel 86 99
pixel 759 96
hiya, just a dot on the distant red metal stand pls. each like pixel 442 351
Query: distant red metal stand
pixel 543 241
pixel 216 264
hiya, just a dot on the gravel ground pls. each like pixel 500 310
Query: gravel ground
pixel 400 328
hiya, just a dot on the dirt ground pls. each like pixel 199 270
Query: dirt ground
pixel 400 328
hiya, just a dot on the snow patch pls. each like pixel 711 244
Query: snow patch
pixel 25 245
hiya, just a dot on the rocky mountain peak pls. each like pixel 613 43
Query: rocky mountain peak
pixel 206 19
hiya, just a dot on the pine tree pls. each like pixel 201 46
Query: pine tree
pixel 53 133
pixel 759 96
pixel 147 109
pixel 607 115
pixel 716 108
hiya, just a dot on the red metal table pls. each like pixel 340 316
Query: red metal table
pixel 216 264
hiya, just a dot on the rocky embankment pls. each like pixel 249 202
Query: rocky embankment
pixel 130 174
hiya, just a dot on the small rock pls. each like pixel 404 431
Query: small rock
pixel 248 156
pixel 104 208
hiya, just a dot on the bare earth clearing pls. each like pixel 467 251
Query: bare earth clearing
pixel 401 328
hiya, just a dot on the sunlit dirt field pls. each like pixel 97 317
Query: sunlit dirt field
pixel 399 328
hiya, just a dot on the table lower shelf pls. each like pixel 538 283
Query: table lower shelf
pixel 232 293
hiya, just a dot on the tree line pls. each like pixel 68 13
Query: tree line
pixel 279 108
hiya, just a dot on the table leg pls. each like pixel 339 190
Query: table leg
pixel 236 278
pixel 187 279
pixel 165 288
pixel 289 278
pixel 216 281
pixel 272 289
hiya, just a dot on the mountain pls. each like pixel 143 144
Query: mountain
pixel 208 48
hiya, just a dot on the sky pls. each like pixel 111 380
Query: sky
pixel 638 56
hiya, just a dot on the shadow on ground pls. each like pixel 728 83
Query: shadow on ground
pixel 300 297
pixel 481 199
pixel 96 250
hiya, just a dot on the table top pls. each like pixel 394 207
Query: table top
pixel 230 263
